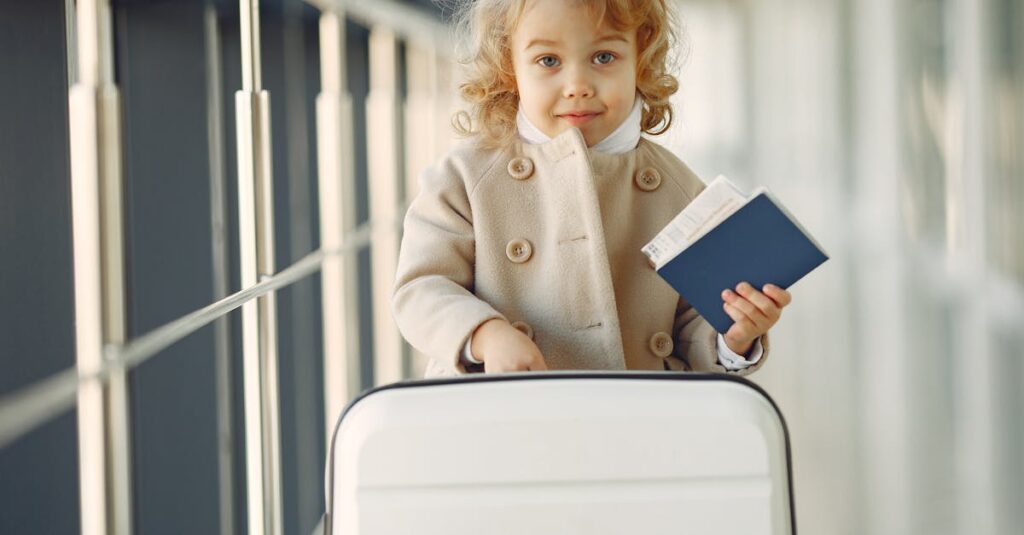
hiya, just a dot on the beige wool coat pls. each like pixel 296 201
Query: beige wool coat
pixel 548 237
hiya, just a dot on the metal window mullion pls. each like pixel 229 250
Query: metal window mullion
pixel 382 112
pixel 98 236
pixel 337 197
pixel 115 319
pixel 85 224
pixel 259 318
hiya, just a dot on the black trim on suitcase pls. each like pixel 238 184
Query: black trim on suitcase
pixel 540 376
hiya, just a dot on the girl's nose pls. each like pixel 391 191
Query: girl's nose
pixel 578 86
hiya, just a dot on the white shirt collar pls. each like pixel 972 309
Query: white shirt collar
pixel 623 139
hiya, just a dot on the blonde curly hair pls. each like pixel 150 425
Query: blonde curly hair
pixel 486 27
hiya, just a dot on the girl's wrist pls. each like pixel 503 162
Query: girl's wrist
pixel 477 345
pixel 741 349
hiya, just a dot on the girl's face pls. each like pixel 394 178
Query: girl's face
pixel 570 72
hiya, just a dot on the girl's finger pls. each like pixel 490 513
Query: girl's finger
pixel 780 296
pixel 764 303
pixel 739 331
pixel 743 326
pixel 753 313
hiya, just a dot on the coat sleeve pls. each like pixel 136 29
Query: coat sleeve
pixel 697 343
pixel 433 301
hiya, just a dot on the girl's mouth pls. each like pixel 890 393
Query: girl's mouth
pixel 578 118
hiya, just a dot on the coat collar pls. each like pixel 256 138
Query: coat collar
pixel 562 146
pixel 571 142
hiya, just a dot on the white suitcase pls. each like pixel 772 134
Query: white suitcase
pixel 561 453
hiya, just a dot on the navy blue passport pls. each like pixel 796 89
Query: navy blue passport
pixel 758 243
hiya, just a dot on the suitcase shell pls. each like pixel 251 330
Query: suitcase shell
pixel 561 453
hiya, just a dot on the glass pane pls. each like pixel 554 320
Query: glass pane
pixel 36 276
pixel 291 74
pixel 176 418
pixel 1006 190
pixel 302 407
pixel 924 92
pixel 38 471
pixel 710 128
pixel 164 54
pixel 39 479
pixel 931 414
pixel 1008 398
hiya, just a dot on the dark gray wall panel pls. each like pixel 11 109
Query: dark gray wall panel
pixel 291 75
pixel 161 69
pixel 36 279
pixel 232 81
pixel 39 471
pixel 39 480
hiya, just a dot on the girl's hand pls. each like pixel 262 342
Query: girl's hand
pixel 754 313
pixel 503 348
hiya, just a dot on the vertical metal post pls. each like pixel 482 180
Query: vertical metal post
pixel 259 318
pixel 94 124
pixel 881 268
pixel 383 144
pixel 969 174
pixel 218 224
pixel 422 115
pixel 336 170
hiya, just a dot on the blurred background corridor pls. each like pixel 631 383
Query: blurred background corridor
pixel 164 162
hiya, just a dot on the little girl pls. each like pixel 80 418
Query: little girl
pixel 522 250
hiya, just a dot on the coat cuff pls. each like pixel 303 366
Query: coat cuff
pixel 755 364
pixel 734 361
pixel 700 351
pixel 461 331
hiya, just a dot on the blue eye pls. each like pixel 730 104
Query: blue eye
pixel 549 61
pixel 604 58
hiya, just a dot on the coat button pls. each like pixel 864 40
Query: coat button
pixel 519 250
pixel 648 179
pixel 661 345
pixel 524 328
pixel 520 168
